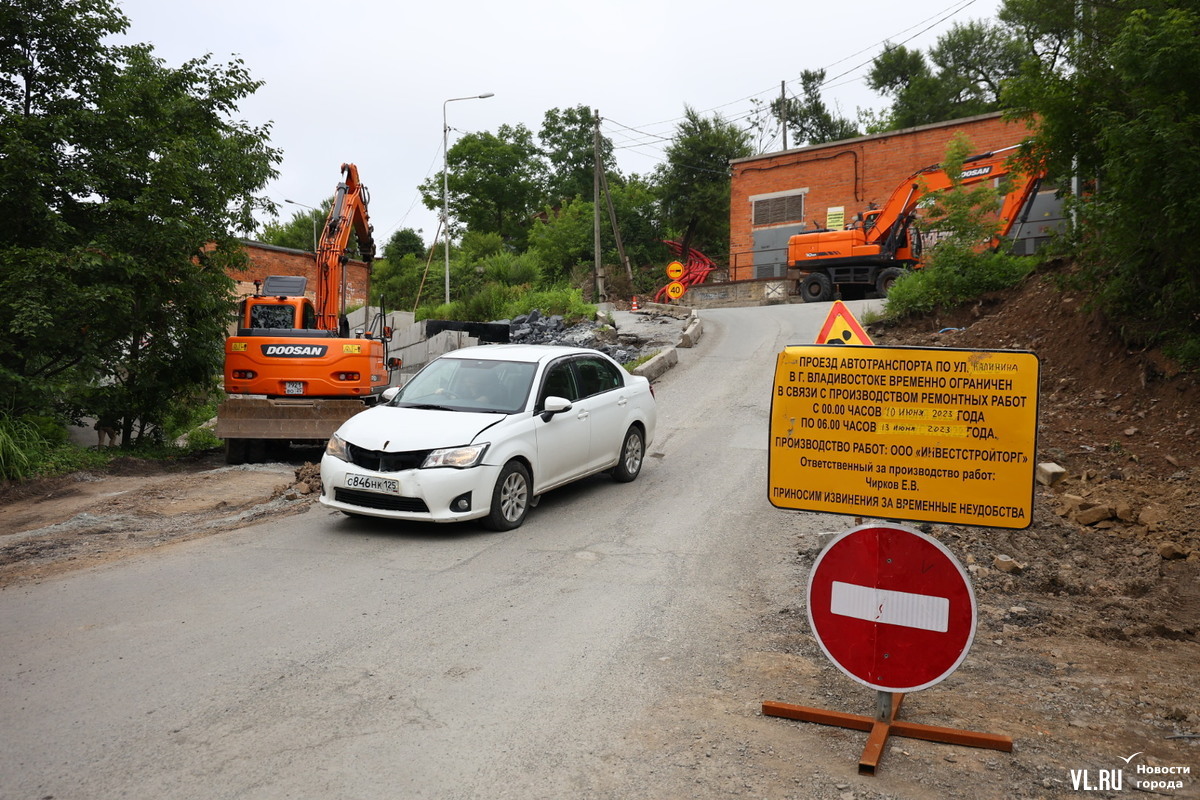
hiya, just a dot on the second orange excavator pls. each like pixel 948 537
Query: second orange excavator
pixel 879 245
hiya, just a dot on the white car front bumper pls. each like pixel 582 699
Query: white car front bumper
pixel 422 495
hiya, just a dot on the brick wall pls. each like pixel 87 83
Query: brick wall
pixel 268 259
pixel 849 174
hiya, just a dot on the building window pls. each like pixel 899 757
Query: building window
pixel 778 208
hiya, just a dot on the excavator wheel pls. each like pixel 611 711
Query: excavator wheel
pixel 816 287
pixel 235 451
pixel 888 276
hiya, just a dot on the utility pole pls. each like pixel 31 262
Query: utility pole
pixel 783 110
pixel 601 290
pixel 612 218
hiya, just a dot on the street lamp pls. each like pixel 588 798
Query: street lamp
pixel 446 181
pixel 314 219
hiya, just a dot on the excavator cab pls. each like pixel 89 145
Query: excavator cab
pixel 278 304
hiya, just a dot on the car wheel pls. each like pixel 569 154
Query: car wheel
pixel 510 498
pixel 633 453
pixel 816 288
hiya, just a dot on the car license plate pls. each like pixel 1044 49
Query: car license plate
pixel 369 483
pixel 293 387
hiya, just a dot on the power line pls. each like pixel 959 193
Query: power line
pixel 929 22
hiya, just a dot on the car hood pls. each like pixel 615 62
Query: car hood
pixel 397 430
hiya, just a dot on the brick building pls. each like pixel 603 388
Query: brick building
pixel 267 259
pixel 776 195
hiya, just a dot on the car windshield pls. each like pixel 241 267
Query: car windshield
pixel 460 384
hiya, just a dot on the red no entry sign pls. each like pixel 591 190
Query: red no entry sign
pixel 891 607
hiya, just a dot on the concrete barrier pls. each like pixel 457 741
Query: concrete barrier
pixel 658 365
pixel 691 332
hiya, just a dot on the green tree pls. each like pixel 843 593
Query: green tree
pixel 124 186
pixel 694 181
pixel 565 241
pixel 963 74
pixel 301 232
pixel 496 182
pixel 807 117
pixel 404 242
pixel 1115 95
pixel 568 142
pixel 402 281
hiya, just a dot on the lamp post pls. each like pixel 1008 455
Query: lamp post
pixel 314 219
pixel 446 181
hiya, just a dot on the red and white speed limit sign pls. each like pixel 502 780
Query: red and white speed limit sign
pixel 891 607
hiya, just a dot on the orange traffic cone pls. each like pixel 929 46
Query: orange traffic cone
pixel 634 307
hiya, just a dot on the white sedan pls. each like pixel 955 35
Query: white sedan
pixel 482 432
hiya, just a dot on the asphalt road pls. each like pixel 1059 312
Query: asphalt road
pixel 320 656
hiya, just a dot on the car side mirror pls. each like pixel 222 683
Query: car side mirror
pixel 554 405
pixel 389 393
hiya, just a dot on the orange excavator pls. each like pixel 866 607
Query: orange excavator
pixel 294 371
pixel 875 249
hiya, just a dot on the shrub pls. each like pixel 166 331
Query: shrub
pixel 955 279
pixel 19 447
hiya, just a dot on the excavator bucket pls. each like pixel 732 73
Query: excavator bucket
pixel 283 418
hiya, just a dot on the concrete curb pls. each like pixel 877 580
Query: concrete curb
pixel 692 331
pixel 668 358
pixel 658 365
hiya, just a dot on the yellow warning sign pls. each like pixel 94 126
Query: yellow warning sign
pixel 674 270
pixel 675 290
pixel 841 327
pixel 908 433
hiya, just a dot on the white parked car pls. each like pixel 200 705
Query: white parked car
pixel 482 432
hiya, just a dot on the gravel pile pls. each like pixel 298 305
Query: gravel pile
pixel 535 328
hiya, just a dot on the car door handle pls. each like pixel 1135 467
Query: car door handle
pixel 583 415
pixel 623 401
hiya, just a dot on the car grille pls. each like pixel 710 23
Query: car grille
pixel 380 461
pixel 384 502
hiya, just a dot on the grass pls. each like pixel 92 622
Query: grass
pixel 27 453
pixel 630 366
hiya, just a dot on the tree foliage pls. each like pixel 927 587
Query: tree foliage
pixel 1115 97
pixel 496 183
pixel 807 117
pixel 404 242
pixel 693 182
pixel 301 232
pixel 962 75
pixel 568 143
pixel 124 185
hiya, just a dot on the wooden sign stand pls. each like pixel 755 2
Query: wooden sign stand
pixel 883 725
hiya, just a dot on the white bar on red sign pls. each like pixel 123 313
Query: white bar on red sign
pixel 867 603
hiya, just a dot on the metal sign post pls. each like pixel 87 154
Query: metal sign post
pixel 894 611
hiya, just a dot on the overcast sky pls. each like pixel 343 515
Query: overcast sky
pixel 364 81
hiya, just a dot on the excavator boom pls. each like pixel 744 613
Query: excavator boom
pixel 347 215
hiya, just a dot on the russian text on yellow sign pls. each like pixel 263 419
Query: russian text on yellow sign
pixel 922 434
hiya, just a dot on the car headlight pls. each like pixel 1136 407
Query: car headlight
pixel 459 457
pixel 337 448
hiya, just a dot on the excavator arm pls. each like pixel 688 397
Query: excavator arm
pixel 347 215
pixel 896 214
